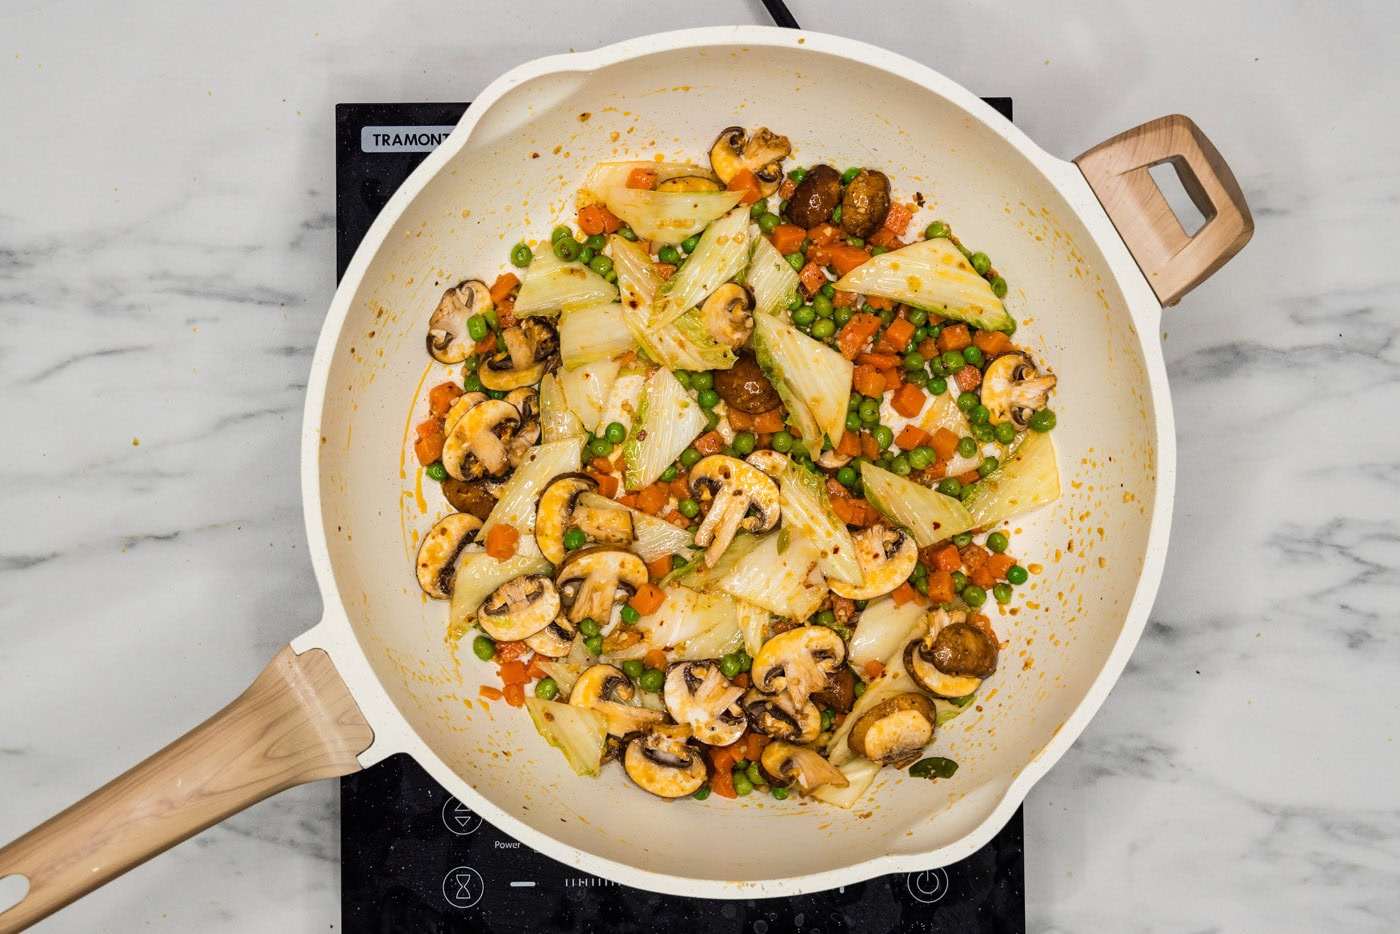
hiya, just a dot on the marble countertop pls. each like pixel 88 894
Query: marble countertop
pixel 167 251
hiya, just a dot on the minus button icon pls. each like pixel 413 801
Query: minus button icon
pixel 522 885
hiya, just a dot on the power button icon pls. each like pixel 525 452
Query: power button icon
pixel 928 886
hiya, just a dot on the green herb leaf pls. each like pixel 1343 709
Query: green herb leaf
pixel 933 767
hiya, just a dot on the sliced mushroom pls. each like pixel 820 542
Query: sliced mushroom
pixel 531 348
pixel 887 557
pixel 594 583
pixel 728 314
pixel 1013 389
pixel 865 203
pixel 464 404
pixel 816 196
pixel 478 445
pixel 554 640
pixel 559 511
pixel 784 764
pixel 798 661
pixel 527 402
pixel 698 695
pixel 736 489
pixel 778 716
pixel 690 183
pixel 519 608
pixel 832 460
pixel 762 154
pixel 744 387
pixel 441 549
pixel 610 692
pixel 953 658
pixel 448 340
pixel 840 691
pixel 894 731
pixel 663 763
pixel 469 496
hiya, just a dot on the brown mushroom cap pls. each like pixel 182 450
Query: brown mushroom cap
pixel 469 496
pixel 865 203
pixel 784 764
pixel 663 763
pixel 815 197
pixel 894 731
pixel 964 649
pixel 440 551
pixel 744 387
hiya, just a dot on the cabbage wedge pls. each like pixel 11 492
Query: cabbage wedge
pixel 684 344
pixel 557 422
pixel 935 276
pixel 522 491
pixel 667 421
pixel 806 509
pixel 813 380
pixel 771 278
pixel 579 733
pixel 929 516
pixel 1027 479
pixel 721 254
pixel 668 216
pixel 550 284
pixel 586 390
pixel 607 175
pixel 589 333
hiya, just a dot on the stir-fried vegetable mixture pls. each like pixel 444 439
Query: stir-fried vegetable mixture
pixel 731 464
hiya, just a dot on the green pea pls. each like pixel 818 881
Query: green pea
pixel 884 436
pixel 702 792
pixel 823 328
pixel 900 466
pixel 887 316
pixel 979 415
pixel 742 785
pixel 595 242
pixel 797 174
pixel 778 792
pixel 836 215
pixel 870 410
pixel 781 442
pixel 828 719
pixel 690 457
pixel 652 680
pixel 973 595
pixel 987 466
pixel 821 305
pixel 585 256
pixel 998 542
pixel 521 255
pixel 796 261
pixel 754 775
pixel 804 315
pixel 574 539
pixel 477 328
pixel 690 243
pixel 633 667
pixel 1042 421
pixel 629 614
pixel 782 207
pixel 594 644
pixel 967 447
pixel 436 471
pixel 683 377
pixel 936 230
pixel 825 618
pixel 1005 432
pixel 842 315
pixel 920 458
pixel 546 688
pixel 949 486
pixel 795 302
pixel 1017 575
pixel 918 317
pixel 877 250
pixel 668 254
pixel 744 442
pixel 860 688
pixel 567 249
pixel 828 290
pixel 850 174
pixel 484 648
pixel 729 665
pixel 688 508
pixel 758 208
pixel 1002 593
pixel 962 539
pixel 628 234
pixel 589 627
pixel 954 360
pixel 855 242
pixel 707 398
pixel 981 262
pixel 937 386
pixel 913 360
pixel 959 580
pixel 491 319
pixel 669 474
pixel 917 378
pixel 967 401
pixel 601 264
pixel 768 221
pixel 999 287
pixel 711 419
pixel 853 422
pixel 497 393
pixel 936 367
pixel 920 333
pixel 846 476
pixel 559 233
pixel 919 573
pixel 702 380
pixel 745 662
pixel 601 447
pixel 616 432
pixel 472 383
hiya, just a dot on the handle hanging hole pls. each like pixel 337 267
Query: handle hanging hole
pixel 1190 214
pixel 13 889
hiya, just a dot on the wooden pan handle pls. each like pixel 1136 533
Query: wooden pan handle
pixel 296 723
pixel 1174 263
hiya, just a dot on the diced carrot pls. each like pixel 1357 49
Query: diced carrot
pixel 514 694
pixel 946 558
pixel 660 567
pixel 983 623
pixel 597 219
pixel 999 564
pixel 991 343
pixel 812 277
pixel 954 337
pixel 903 594
pixel 787 238
pixel 741 679
pixel 508 651
pixel 940 586
pixel 973 556
pixel 505 284
pixel 968 477
pixel 627 358
pixel 909 401
pixel 874 668
pixel 867 381
pixel 928 348
pixel 944 444
pixel 513 672
pixel 847 510
pixel 722 783
pixel 629 500
pixel 786 189
pixel 856 333
pixel 655 658
pixel 428 427
pixel 501 541
pixel 647 599
pixel 679 487
pixel 849 445
pixel 607 483
pixel 770 422
pixel 819 254
pixel 744 180
pixel 505 312
pixel 488 692
pixel 664 270
pixel 441 397
pixel 677 519
pixel 835 490
pixel 487 345
pixel 878 303
pixel 982 577
pixel 897 219
pixel 911 437
pixel 887 239
pixel 740 421
pixel 533 670
pixel 844 299
pixel 429 448
pixel 644 176
pixel 880 361
pixel 822 234
pixel 844 258
pixel 968 378
pixel 899 333
pixel 869 447
pixel 894 379
pixel 653 499
pixel 711 442
pixel 753 748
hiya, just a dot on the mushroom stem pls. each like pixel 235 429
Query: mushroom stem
pixel 722 522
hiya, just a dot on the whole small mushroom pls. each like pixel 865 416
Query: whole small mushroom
pixel 865 203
